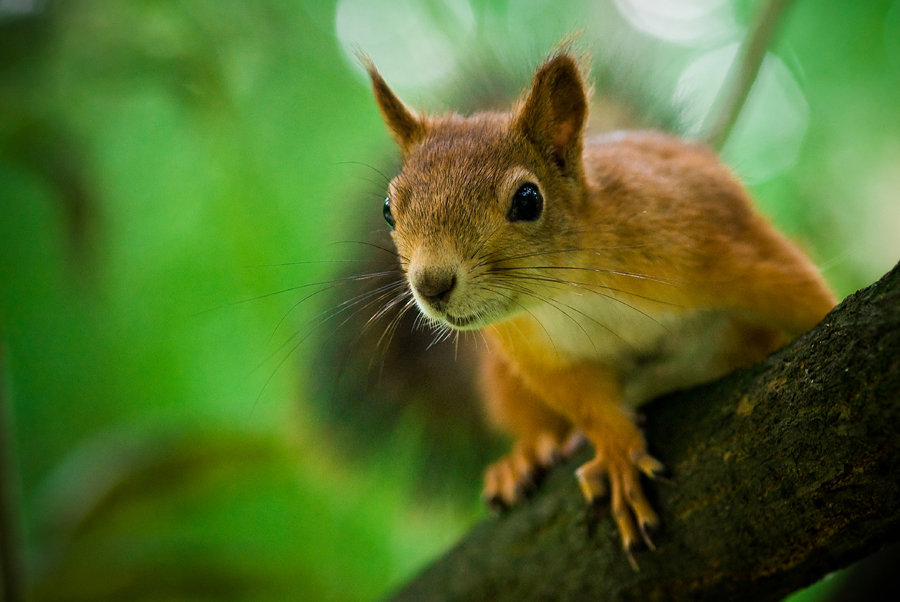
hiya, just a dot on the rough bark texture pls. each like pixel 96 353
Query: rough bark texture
pixel 780 473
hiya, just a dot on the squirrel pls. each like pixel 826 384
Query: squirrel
pixel 602 271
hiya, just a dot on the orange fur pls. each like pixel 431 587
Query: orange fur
pixel 645 270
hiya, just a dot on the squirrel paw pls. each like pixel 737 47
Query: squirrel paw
pixel 514 476
pixel 631 511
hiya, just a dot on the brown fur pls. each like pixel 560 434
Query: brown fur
pixel 647 270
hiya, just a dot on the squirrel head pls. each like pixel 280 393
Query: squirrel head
pixel 481 198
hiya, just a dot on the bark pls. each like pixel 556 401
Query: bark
pixel 781 473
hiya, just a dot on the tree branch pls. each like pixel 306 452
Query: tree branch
pixel 781 473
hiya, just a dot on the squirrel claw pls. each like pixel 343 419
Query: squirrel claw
pixel 645 535
pixel 629 554
pixel 631 546
pixel 516 475
pixel 574 442
pixel 631 511
pixel 495 503
pixel 592 486
pixel 650 466
pixel 547 450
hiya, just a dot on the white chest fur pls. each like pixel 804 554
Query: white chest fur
pixel 653 350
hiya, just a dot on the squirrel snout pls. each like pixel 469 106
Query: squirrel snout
pixel 434 285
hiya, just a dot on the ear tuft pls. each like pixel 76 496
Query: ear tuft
pixel 553 114
pixel 405 126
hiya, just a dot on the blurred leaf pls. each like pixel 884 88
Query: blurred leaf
pixel 162 162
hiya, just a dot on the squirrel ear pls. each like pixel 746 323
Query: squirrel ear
pixel 554 113
pixel 405 126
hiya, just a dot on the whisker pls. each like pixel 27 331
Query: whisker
pixel 592 289
pixel 384 177
pixel 558 306
pixel 483 338
pixel 484 242
pixel 343 303
pixel 384 341
pixel 439 336
pixel 295 306
pixel 308 262
pixel 376 295
pixel 422 322
pixel 498 256
pixel 585 269
pixel 390 298
pixel 317 321
pixel 281 362
pixel 529 312
pixel 369 244
pixel 336 281
pixel 398 293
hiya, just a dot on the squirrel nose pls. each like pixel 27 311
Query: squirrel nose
pixel 435 285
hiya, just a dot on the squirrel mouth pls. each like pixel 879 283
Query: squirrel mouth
pixel 461 323
pixel 483 316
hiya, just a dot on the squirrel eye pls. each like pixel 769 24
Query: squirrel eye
pixel 388 216
pixel 527 204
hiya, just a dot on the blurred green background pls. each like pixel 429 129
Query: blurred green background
pixel 163 162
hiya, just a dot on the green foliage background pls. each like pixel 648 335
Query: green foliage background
pixel 161 161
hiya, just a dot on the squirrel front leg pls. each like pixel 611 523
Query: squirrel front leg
pixel 589 395
pixel 542 436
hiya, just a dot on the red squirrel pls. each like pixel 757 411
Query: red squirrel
pixel 602 271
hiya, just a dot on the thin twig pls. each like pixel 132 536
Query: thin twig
pixel 11 564
pixel 740 81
